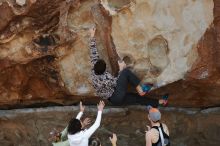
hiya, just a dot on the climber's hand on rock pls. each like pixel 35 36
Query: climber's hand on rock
pixel 92 31
pixel 121 65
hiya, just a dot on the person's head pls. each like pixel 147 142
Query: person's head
pixel 55 135
pixel 100 67
pixel 154 114
pixel 94 141
pixel 74 126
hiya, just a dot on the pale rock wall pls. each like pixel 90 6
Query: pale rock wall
pixel 18 49
pixel 21 2
pixel 161 36
pixel 75 65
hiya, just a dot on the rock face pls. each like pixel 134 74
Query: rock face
pixel 21 2
pixel 158 36
pixel 44 54
pixel 31 127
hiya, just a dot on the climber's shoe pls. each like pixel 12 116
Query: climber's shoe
pixel 146 87
pixel 165 98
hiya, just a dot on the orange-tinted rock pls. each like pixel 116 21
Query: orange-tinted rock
pixel 103 21
pixel 33 81
pixel 44 54
pixel 217 29
pixel 38 88
pixel 6 15
pixel 202 84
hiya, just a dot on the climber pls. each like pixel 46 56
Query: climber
pixel 115 88
pixel 158 134
pixel 78 136
pixel 60 138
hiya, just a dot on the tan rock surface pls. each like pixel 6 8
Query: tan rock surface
pixel 21 2
pixel 44 54
pixel 165 33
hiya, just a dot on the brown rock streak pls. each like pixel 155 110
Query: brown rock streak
pixel 103 21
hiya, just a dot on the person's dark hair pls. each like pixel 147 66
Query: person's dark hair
pixel 94 141
pixel 74 126
pixel 100 67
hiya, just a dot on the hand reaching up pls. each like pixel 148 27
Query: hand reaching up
pixel 81 107
pixel 101 105
pixel 113 139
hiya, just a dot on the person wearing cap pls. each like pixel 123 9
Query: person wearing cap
pixel 158 133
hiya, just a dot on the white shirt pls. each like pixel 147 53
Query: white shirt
pixel 82 138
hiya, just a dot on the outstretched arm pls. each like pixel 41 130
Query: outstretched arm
pixel 94 55
pixel 79 115
pixel 113 139
pixel 82 108
pixel 95 126
pixel 148 139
